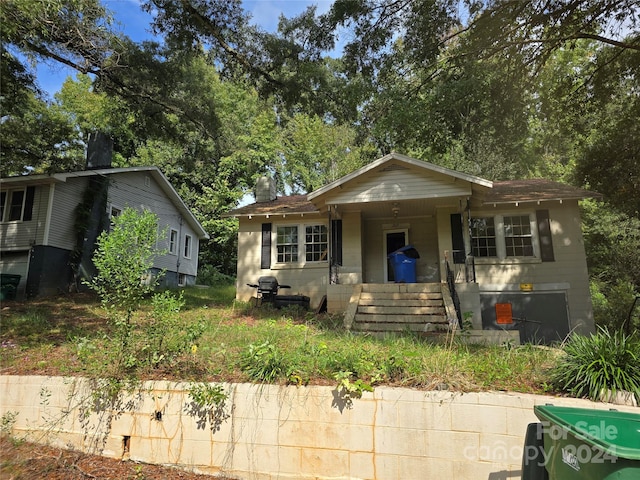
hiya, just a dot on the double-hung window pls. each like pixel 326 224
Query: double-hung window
pixel 483 237
pixel 187 246
pixel 518 237
pixel 12 205
pixel 296 244
pixel 173 241
pixel 315 243
pixel 504 236
pixel 287 244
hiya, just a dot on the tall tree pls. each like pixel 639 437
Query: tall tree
pixel 34 136
pixel 316 153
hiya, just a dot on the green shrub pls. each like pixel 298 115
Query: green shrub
pixel 210 275
pixel 590 366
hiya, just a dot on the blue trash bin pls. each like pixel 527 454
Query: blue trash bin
pixel 403 262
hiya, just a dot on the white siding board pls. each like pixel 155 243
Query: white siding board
pixel 66 198
pixel 399 185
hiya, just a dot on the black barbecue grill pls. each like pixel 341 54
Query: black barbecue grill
pixel 267 291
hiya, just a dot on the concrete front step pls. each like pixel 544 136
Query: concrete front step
pixel 401 287
pixel 374 302
pixel 395 319
pixel 383 296
pixel 380 327
pixel 402 310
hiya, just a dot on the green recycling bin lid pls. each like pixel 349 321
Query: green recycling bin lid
pixel 613 432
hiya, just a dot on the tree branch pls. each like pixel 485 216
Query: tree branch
pixel 210 27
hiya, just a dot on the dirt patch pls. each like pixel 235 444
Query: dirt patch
pixel 24 460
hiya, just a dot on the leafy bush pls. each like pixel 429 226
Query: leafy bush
pixel 590 366
pixel 210 275
pixel 612 303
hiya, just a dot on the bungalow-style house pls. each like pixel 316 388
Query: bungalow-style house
pixel 49 224
pixel 502 257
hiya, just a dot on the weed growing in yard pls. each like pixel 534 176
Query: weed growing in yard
pixel 208 402
pixel 349 389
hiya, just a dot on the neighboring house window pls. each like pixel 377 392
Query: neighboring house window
pixel 182 279
pixel 3 202
pixel 504 236
pixel 187 246
pixel 287 244
pixel 483 237
pixel 16 205
pixel 113 213
pixel 173 242
pixel 315 243
pixel 518 238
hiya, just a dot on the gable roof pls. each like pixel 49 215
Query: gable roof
pixel 154 171
pixel 402 159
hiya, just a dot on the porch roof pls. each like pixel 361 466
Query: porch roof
pixel 534 190
pixel 503 192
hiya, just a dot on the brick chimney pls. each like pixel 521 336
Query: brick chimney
pixel 265 189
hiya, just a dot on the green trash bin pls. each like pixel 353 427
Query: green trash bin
pixel 588 444
pixel 9 286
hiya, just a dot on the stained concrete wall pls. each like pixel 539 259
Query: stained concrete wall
pixel 276 432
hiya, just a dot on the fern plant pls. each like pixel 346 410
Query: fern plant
pixel 593 365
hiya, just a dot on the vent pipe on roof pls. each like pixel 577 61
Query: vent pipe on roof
pixel 99 151
pixel 265 189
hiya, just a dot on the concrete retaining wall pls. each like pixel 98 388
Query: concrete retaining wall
pixel 273 432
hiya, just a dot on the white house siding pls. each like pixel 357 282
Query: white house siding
pixel 310 279
pixel 139 190
pixel 397 185
pixel 422 235
pixel 567 273
pixel 21 235
pixel 66 198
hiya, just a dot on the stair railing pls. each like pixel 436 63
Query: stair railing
pixel 451 283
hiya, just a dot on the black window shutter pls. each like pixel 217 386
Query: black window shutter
pixel 544 234
pixel 28 204
pixel 457 239
pixel 336 242
pixel 265 257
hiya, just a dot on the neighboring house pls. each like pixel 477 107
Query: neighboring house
pixel 512 250
pixel 49 224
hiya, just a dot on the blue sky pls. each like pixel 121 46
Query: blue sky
pixel 133 22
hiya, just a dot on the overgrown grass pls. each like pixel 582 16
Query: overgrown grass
pixel 68 336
